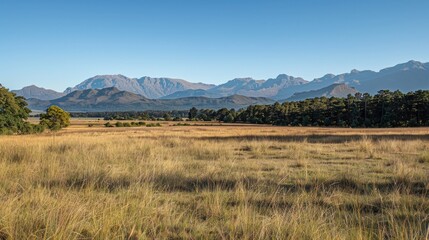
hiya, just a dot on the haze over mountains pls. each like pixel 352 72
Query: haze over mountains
pixel 409 76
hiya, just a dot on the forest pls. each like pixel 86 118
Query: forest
pixel 384 109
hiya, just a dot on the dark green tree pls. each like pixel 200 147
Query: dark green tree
pixel 167 117
pixel 192 113
pixel 229 118
pixel 13 113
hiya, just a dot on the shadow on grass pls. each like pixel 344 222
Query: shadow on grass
pixel 97 181
pixel 344 184
pixel 192 184
pixel 181 183
pixel 320 138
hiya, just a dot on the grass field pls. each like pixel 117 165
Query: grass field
pixel 215 182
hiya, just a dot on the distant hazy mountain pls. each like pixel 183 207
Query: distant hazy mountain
pixel 145 86
pixel 113 99
pixel 405 77
pixel 409 76
pixel 334 90
pixel 37 92
pixel 247 87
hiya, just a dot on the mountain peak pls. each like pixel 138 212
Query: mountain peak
pixel 410 65
pixel 329 75
pixel 283 76
pixel 415 64
pixel 32 86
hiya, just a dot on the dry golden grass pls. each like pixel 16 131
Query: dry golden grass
pixel 215 182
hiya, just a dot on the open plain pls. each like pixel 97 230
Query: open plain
pixel 215 181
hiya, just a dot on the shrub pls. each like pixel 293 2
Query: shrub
pixel 182 124
pixel 153 125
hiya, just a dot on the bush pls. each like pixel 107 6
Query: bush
pixel 129 124
pixel 153 125
pixel 182 124
pixel 138 123
pixel 108 124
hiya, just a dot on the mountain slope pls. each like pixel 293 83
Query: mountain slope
pixel 33 91
pixel 113 99
pixel 334 90
pixel 145 86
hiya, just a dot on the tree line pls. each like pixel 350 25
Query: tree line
pixel 384 109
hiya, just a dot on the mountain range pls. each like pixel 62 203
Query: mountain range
pixel 409 76
pixel 145 86
pixel 113 99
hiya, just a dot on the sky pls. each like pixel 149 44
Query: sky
pixel 58 44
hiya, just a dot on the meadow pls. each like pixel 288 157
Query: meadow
pixel 217 181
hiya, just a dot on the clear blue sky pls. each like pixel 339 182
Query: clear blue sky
pixel 56 44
